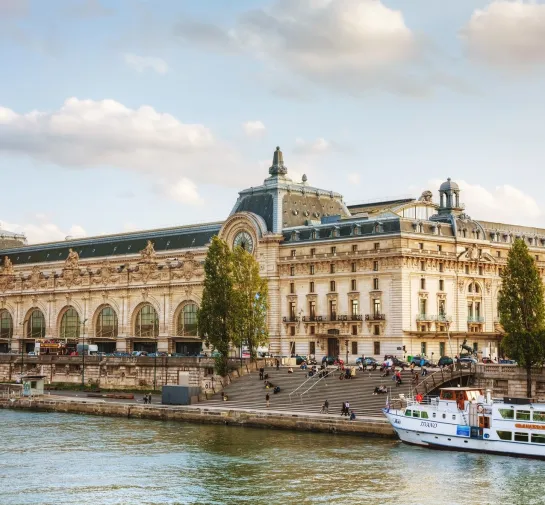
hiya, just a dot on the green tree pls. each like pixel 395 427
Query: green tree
pixel 215 312
pixel 250 302
pixel 522 310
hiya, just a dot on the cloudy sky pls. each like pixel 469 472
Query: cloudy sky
pixel 131 114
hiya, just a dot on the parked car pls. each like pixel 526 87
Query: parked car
pixel 445 361
pixel 396 361
pixel 300 359
pixel 488 361
pixel 507 362
pixel 468 360
pixel 420 361
pixel 367 361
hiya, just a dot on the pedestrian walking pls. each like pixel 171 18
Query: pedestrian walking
pixel 277 364
pixel 261 373
pixel 145 399
pixel 326 407
pixel 149 398
pixel 267 400
pixel 347 410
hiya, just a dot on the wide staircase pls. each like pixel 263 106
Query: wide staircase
pixel 308 395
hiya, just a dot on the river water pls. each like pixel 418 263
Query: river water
pixel 58 459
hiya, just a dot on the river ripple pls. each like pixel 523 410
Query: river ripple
pixel 58 459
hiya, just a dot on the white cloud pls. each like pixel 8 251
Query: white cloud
pixel 183 191
pixel 90 134
pixel 13 9
pixel 354 178
pixel 254 128
pixel 510 33
pixel 88 9
pixel 318 146
pixel 503 204
pixel 41 229
pixel 143 63
pixel 346 45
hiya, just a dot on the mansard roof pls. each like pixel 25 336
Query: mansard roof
pixel 164 240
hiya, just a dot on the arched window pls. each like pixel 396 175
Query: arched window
pixel 106 325
pixel 187 320
pixel 70 325
pixel 36 325
pixel 6 324
pixel 147 322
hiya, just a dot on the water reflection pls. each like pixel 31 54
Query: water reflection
pixel 65 459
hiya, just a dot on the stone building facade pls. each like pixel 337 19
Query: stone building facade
pixel 404 277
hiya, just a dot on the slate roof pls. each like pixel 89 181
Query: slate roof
pixel 167 239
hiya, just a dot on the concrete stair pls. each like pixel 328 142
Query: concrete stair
pixel 248 392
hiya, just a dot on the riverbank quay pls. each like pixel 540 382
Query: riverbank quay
pixel 255 418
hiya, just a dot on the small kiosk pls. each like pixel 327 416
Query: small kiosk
pixel 33 385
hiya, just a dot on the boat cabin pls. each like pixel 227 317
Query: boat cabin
pixel 461 395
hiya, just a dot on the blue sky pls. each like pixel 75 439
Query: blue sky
pixel 133 114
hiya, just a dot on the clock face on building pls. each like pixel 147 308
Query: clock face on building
pixel 244 239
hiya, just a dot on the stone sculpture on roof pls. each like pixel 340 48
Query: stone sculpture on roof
pixel 8 267
pixel 72 261
pixel 148 253
pixel 278 167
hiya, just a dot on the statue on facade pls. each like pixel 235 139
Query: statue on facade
pixel 466 347
pixel 8 267
pixel 72 261
pixel 148 253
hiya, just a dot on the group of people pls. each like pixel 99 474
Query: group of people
pixel 345 411
pixel 147 398
pixel 262 374
pixel 380 390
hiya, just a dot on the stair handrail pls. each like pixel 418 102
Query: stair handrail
pixel 312 377
pixel 330 372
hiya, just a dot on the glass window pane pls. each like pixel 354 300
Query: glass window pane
pixel 6 324
pixel 523 415
pixel 147 322
pixel 70 325
pixel 107 323
pixel 187 320
pixel 36 325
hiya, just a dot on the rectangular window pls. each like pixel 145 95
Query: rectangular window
pixel 332 286
pixel 293 311
pixel 423 266
pixel 354 348
pixel 332 268
pixel 375 283
pixel 423 306
pixel 441 307
pixel 333 250
pixel 353 284
pixel 313 252
pixel 292 348
pixel 523 415
pixel 422 283
pixel 333 310
pixel 376 307
pixel 480 270
pixel 498 254
pixel 416 413
pixel 441 267
pixel 507 413
pixel 538 438
pixel 354 329
pixel 376 348
pixel 312 347
pixel 423 348
pixel 439 248
pixel 355 248
pixel 292 331
pixel 311 269
pixel 505 435
pixel 313 330
pixel 311 287
pixel 355 307
pixel 521 437
pixel 293 253
pixel 539 416
pixel 375 266
pixel 376 329
pixel 292 287
pixel 467 269
pixel 421 245
pixel 441 349
pixel 441 285
pixel 424 415
pixel 377 246
pixel 312 310
pixel 353 266
pixel 292 271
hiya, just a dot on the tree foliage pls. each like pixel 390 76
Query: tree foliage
pixel 522 310
pixel 250 301
pixel 234 303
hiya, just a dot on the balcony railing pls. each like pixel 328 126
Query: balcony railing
pixel 332 318
pixel 442 318
pixel 475 319
pixel 291 319
pixel 375 317
pixel 424 317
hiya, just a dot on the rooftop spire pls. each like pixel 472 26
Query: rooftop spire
pixel 278 167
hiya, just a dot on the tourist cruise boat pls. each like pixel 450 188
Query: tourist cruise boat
pixel 462 418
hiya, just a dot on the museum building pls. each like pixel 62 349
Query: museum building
pixel 404 277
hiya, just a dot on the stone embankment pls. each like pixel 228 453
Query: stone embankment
pixel 370 427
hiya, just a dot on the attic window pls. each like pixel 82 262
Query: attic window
pixel 115 248
pixel 129 248
pixel 93 250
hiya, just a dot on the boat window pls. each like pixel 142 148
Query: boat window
pixel 433 414
pixel 538 438
pixel 539 415
pixel 416 413
pixel 505 435
pixel 454 417
pixel 444 416
pixel 447 395
pixel 408 413
pixel 424 415
pixel 523 415
pixel 521 437
pixel 507 413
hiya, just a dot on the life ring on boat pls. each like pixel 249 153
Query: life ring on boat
pixel 480 409
pixel 419 398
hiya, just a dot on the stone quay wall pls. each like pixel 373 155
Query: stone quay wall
pixel 232 417
pixel 510 380
pixel 122 373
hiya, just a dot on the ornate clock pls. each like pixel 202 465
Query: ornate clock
pixel 244 239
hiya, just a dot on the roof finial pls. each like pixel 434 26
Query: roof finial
pixel 278 167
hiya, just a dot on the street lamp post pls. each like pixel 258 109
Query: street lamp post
pixel 83 356
pixel 155 366
pixel 346 344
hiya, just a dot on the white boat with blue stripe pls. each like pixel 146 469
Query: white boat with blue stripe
pixel 463 418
